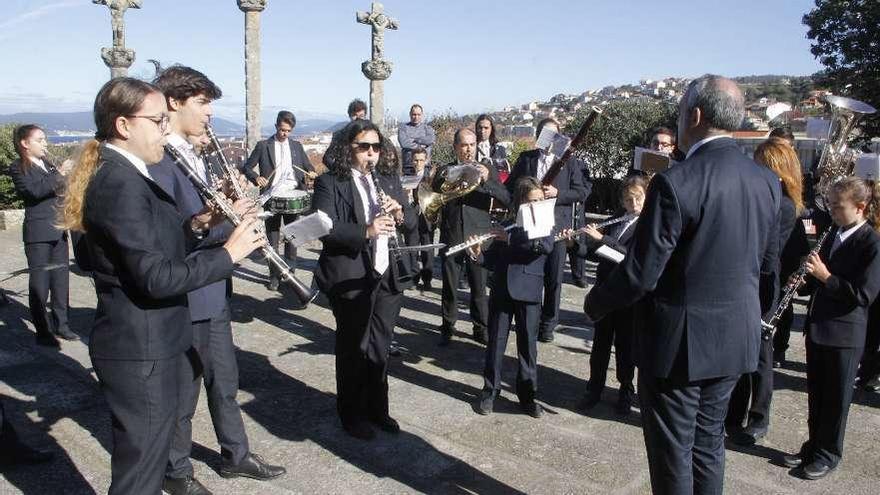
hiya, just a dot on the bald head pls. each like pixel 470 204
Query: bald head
pixel 711 105
pixel 464 142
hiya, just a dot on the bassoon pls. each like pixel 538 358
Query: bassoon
pixel 554 169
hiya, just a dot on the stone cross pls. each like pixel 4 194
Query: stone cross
pixel 252 82
pixel 117 57
pixel 377 69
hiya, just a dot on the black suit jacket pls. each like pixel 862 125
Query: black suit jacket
pixel 569 183
pixel 39 190
pixel 263 157
pixel 208 301
pixel 518 266
pixel 137 247
pixel 345 266
pixel 605 266
pixel 703 262
pixel 838 315
pixel 469 214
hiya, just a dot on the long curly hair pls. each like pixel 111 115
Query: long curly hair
pixel 342 166
pixel 778 155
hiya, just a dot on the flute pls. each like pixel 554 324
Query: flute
pixel 478 240
pixel 600 225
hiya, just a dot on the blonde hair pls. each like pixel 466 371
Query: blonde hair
pixel 70 215
pixel 778 155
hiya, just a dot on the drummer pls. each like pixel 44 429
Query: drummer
pixel 284 169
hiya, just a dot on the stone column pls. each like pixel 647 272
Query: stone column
pixel 252 83
pixel 377 69
pixel 118 58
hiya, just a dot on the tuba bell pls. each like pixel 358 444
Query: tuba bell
pixel 837 159
pixel 458 180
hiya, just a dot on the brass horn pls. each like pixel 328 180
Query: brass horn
pixel 458 180
pixel 837 160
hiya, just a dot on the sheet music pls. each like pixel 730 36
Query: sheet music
pixel 537 218
pixel 307 228
pixel 551 141
pixel 610 254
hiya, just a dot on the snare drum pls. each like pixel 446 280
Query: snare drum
pixel 291 203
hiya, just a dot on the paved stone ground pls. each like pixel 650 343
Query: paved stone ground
pixel 287 396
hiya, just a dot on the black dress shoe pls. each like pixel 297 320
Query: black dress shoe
pixel 748 436
pixel 816 470
pixel 778 359
pixel 184 486
pixel 445 338
pixel 545 336
pixel 580 283
pixel 485 405
pixel 252 466
pixel 65 333
pixel 624 403
pixel 872 385
pixel 532 408
pixel 20 453
pixel 393 349
pixel 481 336
pixel 792 460
pixel 360 430
pixel 387 424
pixel 48 340
pixel 589 401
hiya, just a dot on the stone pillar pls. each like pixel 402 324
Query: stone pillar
pixel 118 58
pixel 252 84
pixel 377 69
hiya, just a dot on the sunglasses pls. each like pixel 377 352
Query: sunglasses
pixel 363 147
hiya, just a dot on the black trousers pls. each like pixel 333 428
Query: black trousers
pixel 8 437
pixel 553 270
pixel 425 235
pixel 616 328
pixel 363 334
pixel 476 274
pixel 830 375
pixel 502 310
pixel 576 262
pixel 783 331
pixel 869 367
pixel 210 360
pixel 43 282
pixel 757 386
pixel 143 398
pixel 683 425
pixel 273 234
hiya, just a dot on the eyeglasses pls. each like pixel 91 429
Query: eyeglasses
pixel 363 147
pixel 662 144
pixel 160 121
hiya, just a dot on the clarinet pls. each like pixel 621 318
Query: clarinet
pixel 767 327
pixel 218 201
pixel 392 240
pixel 606 223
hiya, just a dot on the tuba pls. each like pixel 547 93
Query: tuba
pixel 837 159
pixel 458 181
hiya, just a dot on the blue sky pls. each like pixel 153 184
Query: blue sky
pixel 464 55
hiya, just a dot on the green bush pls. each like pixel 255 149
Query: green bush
pixel 8 198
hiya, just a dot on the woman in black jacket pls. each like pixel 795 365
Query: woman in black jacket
pixel 39 183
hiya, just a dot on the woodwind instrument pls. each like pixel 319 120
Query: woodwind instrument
pixel 477 240
pixel 224 205
pixel 392 240
pixel 600 225
pixel 554 169
pixel 767 327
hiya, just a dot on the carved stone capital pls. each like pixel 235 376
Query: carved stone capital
pixel 252 5
pixel 377 70
pixel 117 57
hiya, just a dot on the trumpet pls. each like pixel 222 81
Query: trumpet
pixel 767 327
pixel 600 225
pixel 303 292
pixel 473 242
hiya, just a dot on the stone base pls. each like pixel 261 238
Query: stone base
pixel 11 219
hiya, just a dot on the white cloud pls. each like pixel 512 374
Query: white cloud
pixel 37 13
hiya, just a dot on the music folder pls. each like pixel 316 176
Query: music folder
pixel 650 161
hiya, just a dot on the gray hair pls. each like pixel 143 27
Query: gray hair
pixel 722 108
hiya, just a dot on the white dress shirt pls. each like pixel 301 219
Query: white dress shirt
pixel 283 165
pixel 189 154
pixel 367 191
pixel 843 235
pixel 134 160
pixel 545 160
pixel 701 142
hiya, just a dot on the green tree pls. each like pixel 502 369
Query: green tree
pixel 445 125
pixel 623 125
pixel 8 197
pixel 846 40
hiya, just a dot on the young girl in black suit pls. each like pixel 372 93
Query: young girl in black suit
pixel 40 185
pixel 844 280
pixel 615 328
pixel 517 266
